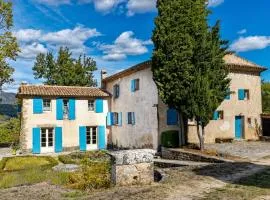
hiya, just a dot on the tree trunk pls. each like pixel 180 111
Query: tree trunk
pixel 200 132
pixel 203 135
pixel 181 130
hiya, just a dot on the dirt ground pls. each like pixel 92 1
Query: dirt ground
pixel 178 183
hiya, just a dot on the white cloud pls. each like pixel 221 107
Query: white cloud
pixel 126 44
pixel 250 43
pixel 214 3
pixel 138 6
pixel 243 31
pixel 53 2
pixel 27 35
pixel 30 51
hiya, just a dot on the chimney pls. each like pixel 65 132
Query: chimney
pixel 103 76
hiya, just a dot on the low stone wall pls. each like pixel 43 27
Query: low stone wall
pixel 131 167
pixel 180 154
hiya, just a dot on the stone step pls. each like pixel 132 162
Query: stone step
pixel 177 163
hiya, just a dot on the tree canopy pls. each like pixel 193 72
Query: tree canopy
pixel 8 45
pixel 64 69
pixel 266 97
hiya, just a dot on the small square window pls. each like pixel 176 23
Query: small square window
pixel 246 95
pixel 91 105
pixel 46 105
pixel 116 91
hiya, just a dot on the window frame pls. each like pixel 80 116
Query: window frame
pixel 220 115
pixel 91 134
pixel 247 94
pixel 115 118
pixel 116 91
pixel 47 137
pixel 49 109
pixel 136 84
pixel 93 105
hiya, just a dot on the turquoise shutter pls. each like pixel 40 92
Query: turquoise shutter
pixel 133 118
pixel 109 119
pixel 82 138
pixel 72 109
pixel 99 105
pixel 215 115
pixel 241 94
pixel 58 140
pixel 59 109
pixel 36 140
pixel 132 85
pixel 37 105
pixel 228 97
pixel 101 137
pixel 120 119
pixel 172 117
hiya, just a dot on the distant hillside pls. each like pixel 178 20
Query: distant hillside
pixel 8 104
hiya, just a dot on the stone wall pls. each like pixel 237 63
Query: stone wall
pixel 131 167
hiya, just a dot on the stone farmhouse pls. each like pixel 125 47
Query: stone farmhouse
pixel 127 112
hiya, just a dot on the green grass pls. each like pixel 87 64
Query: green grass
pixel 247 188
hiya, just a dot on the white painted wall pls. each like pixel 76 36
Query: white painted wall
pixel 70 127
pixel 145 132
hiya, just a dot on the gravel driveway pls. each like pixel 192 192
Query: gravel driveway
pixel 253 151
pixel 4 152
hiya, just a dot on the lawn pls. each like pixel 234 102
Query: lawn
pixel 28 170
pixel 257 185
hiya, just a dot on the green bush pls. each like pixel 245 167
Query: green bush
pixel 77 157
pixel 10 131
pixel 170 139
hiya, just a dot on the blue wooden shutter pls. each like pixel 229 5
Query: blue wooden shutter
pixel 132 85
pixel 110 119
pixel 82 138
pixel 101 137
pixel 99 106
pixel 241 94
pixel 36 140
pixel 37 105
pixel 120 119
pixel 133 118
pixel 72 109
pixel 172 117
pixel 215 117
pixel 228 97
pixel 58 140
pixel 59 109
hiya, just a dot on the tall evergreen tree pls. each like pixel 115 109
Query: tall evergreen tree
pixel 65 70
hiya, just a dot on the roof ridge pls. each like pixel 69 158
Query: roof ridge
pixel 59 86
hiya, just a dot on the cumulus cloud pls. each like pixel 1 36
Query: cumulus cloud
pixel 125 45
pixel 214 3
pixel 138 6
pixel 243 31
pixel 27 35
pixel 31 50
pixel 250 43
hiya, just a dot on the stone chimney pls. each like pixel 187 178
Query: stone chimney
pixel 103 76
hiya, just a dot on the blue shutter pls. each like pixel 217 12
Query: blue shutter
pixel 133 118
pixel 215 117
pixel 72 109
pixel 120 119
pixel 228 97
pixel 37 105
pixel 241 94
pixel 172 117
pixel 36 140
pixel 82 138
pixel 109 119
pixel 132 85
pixel 99 106
pixel 101 137
pixel 59 109
pixel 58 140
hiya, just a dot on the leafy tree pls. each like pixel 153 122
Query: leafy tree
pixel 65 70
pixel 8 45
pixel 266 97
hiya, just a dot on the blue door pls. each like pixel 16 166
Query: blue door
pixel 238 127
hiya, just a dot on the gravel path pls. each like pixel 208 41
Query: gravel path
pixel 5 152
pixel 253 151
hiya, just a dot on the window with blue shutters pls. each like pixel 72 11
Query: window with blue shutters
pixel 135 85
pixel 218 115
pixel 172 117
pixel 243 94
pixel 116 91
pixel 59 109
pixel 37 105
pixel 72 109
pixel 110 119
pixel 99 106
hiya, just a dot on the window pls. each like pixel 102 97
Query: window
pixel 116 91
pixel 219 115
pixel 47 137
pixel 243 94
pixel 137 84
pixel 46 105
pixel 116 118
pixel 65 103
pixel 249 122
pixel 91 135
pixel 246 94
pixel 131 118
pixel 91 105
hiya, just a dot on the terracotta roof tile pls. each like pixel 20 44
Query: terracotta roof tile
pixel 61 91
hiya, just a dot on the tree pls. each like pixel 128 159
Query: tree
pixel 65 70
pixel 266 97
pixel 8 45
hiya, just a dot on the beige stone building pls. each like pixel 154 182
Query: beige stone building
pixel 56 118
pixel 138 116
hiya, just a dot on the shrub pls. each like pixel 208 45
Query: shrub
pixel 170 139
pixel 10 131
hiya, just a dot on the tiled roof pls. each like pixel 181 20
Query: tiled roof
pixel 60 91
pixel 233 62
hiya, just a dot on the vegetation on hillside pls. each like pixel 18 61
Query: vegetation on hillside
pixel 266 97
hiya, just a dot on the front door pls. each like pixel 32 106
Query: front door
pixel 47 140
pixel 91 138
pixel 238 127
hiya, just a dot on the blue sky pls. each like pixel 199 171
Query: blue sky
pixel 117 33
